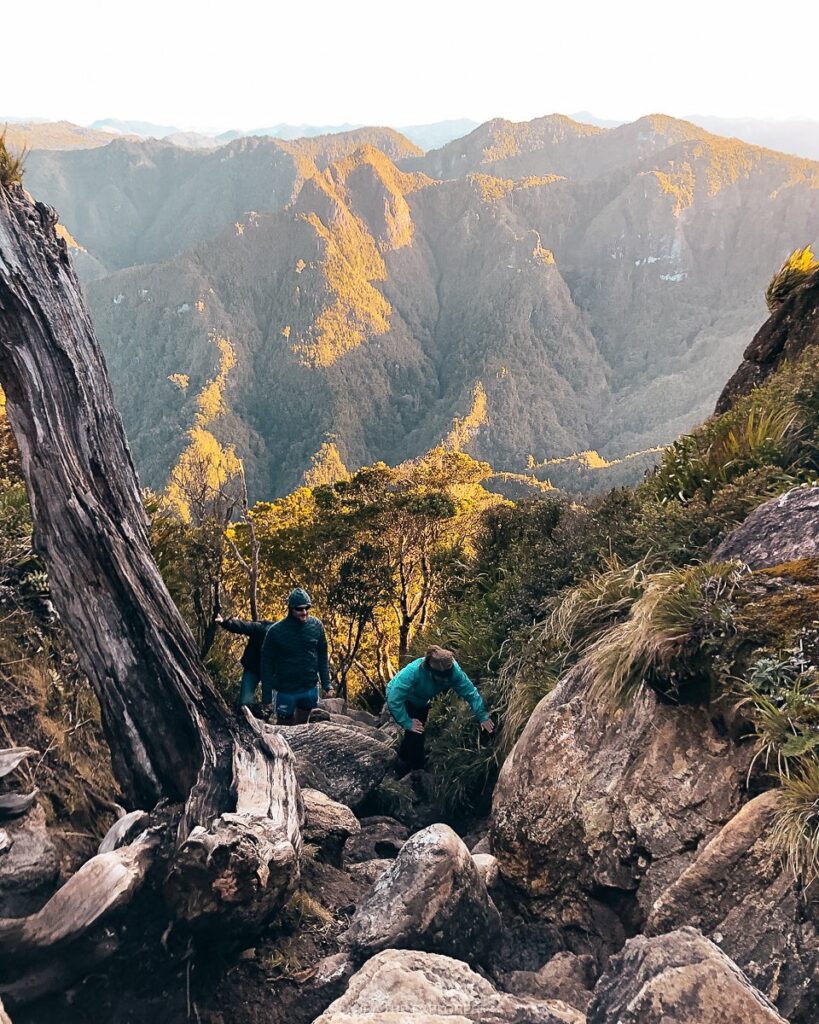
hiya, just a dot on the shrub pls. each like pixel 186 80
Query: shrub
pixel 796 269
pixel 783 698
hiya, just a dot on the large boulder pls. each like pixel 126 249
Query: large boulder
pixel 343 763
pixel 784 529
pixel 327 825
pixel 679 978
pixel 29 868
pixel 407 987
pixel 737 893
pixel 431 898
pixel 594 807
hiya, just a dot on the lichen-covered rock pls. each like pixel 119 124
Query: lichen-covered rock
pixel 380 838
pixel 566 977
pixel 737 893
pixel 407 987
pixel 327 825
pixel 30 866
pixel 431 898
pixel 784 529
pixel 589 805
pixel 343 763
pixel 679 978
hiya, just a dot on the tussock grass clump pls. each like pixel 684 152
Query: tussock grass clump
pixel 11 165
pixel 796 269
pixel 665 641
pixel 796 829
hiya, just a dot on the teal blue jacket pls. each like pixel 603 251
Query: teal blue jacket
pixel 416 684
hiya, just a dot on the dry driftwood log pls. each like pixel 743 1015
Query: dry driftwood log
pixel 12 805
pixel 169 732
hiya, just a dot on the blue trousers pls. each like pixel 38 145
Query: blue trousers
pixel 286 703
pixel 247 694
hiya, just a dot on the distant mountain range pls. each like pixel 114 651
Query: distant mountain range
pixel 798 137
pixel 528 291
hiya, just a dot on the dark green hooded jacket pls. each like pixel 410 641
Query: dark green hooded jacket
pixel 294 655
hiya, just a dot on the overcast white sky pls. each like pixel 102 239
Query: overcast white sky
pixel 236 64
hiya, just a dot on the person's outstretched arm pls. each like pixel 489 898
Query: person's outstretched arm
pixel 236 625
pixel 399 691
pixel 464 687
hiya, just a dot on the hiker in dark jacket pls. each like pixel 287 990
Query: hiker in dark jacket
pixel 251 659
pixel 412 690
pixel 294 659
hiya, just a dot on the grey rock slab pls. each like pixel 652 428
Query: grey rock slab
pixel 344 764
pixel 784 529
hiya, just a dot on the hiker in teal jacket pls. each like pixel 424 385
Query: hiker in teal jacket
pixel 412 690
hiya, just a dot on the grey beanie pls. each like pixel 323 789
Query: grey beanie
pixel 298 599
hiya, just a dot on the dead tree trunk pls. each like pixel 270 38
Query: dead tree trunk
pixel 169 732
pixel 163 721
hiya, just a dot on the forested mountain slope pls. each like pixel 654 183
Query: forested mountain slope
pixel 560 287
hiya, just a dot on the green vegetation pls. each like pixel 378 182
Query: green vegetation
pixel 796 269
pixel 11 165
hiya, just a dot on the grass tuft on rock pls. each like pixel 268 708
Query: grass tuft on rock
pixel 796 829
pixel 11 165
pixel 796 269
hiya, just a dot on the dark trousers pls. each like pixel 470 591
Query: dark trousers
pixel 411 751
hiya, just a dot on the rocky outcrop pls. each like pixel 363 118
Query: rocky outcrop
pixel 782 530
pixel 566 977
pixel 380 837
pixel 407 987
pixel 327 825
pixel 344 764
pixel 591 807
pixel 786 334
pixel 431 898
pixel 679 978
pixel 737 893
